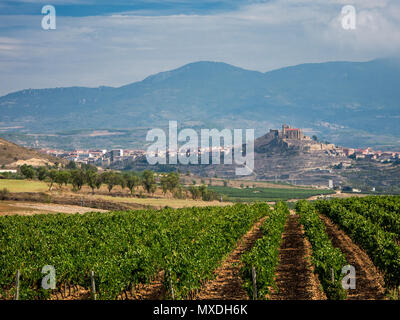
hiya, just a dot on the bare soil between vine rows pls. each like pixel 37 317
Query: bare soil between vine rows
pixel 295 277
pixel 228 284
pixel 369 281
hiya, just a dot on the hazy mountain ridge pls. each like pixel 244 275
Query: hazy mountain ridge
pixel 350 103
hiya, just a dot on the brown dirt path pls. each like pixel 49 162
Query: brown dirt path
pixel 295 278
pixel 369 281
pixel 228 284
pixel 56 208
pixel 154 290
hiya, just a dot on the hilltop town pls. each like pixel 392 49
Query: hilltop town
pixel 281 155
pixel 292 138
pixel 97 157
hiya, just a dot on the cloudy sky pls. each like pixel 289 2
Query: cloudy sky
pixel 115 42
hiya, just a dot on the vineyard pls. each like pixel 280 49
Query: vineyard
pixel 122 248
pixel 233 252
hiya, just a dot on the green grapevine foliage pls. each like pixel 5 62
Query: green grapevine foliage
pixel 264 256
pixel 324 257
pixel 383 211
pixel 122 248
pixel 368 231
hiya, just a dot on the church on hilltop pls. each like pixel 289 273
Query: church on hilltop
pixel 289 133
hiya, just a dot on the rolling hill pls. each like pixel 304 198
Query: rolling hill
pixel 12 156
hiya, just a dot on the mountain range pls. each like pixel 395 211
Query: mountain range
pixel 355 104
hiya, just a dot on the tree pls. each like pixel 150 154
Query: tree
pixel 170 182
pixel 149 183
pixel 164 184
pixel 178 193
pixel 132 181
pixel 92 179
pixel 87 167
pixel 62 177
pixel 315 138
pixel 42 173
pixel 208 195
pixel 110 179
pixel 71 165
pixel 173 182
pixel 27 171
pixel 99 182
pixel 51 176
pixel 203 190
pixel 77 179
pixel 195 192
pixel 120 181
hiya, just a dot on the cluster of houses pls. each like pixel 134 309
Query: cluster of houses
pixel 96 157
pixel 104 158
pixel 107 157
pixel 368 153
pixel 223 150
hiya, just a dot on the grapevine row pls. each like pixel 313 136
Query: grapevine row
pixel 325 257
pixel 381 246
pixel 383 211
pixel 264 254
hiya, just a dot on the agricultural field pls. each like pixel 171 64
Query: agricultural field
pixel 268 194
pixel 31 208
pixel 241 251
pixel 124 249
pixel 163 202
pixel 157 200
pixel 23 185
pixel 236 183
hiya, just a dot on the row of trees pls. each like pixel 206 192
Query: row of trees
pixel 203 193
pixel 88 175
